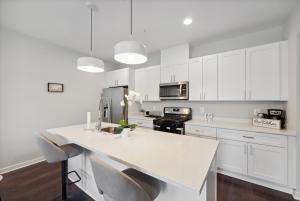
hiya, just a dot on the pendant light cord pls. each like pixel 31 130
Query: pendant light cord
pixel 91 47
pixel 131 32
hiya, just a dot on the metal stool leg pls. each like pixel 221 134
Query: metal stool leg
pixel 64 177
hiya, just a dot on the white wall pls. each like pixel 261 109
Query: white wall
pixel 233 109
pixel 292 32
pixel 26 66
pixel 235 41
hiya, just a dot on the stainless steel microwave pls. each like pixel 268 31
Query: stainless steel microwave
pixel 174 91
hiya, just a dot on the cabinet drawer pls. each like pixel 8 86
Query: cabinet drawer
pixel 201 130
pixel 141 122
pixel 253 137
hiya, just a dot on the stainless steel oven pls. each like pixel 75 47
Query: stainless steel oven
pixel 174 91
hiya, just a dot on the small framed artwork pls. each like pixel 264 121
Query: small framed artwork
pixel 55 87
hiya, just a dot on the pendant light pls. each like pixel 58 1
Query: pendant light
pixel 130 51
pixel 90 64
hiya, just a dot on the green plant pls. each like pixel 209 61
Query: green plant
pixel 123 124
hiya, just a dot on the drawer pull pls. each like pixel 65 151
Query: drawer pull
pixel 199 131
pixel 248 137
pixel 139 122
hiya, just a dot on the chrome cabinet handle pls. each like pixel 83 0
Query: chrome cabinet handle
pixel 248 137
pixel 204 98
pixel 200 96
pixel 243 97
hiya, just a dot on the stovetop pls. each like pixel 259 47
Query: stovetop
pixel 174 114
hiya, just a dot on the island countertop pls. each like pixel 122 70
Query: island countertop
pixel 178 159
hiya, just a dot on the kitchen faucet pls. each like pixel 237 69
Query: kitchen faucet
pixel 99 120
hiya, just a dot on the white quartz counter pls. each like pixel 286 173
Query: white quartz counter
pixel 240 126
pixel 181 160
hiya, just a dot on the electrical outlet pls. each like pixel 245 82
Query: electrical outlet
pixel 202 110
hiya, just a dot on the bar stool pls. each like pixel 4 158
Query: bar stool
pixel 54 153
pixel 1 177
pixel 128 185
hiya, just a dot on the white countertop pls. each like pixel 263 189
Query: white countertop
pixel 181 160
pixel 240 126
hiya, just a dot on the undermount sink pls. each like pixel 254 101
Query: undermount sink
pixel 112 130
pixel 109 130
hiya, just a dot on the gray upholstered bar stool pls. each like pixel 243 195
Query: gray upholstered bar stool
pixel 54 153
pixel 128 185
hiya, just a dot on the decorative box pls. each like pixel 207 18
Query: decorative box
pixel 267 123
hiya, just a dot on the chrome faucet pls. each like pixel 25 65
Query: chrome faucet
pixel 99 120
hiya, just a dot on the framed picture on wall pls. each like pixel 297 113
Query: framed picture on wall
pixel 55 87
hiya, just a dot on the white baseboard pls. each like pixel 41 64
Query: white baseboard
pixel 21 165
pixel 296 195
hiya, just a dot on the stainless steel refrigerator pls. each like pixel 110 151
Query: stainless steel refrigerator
pixel 111 108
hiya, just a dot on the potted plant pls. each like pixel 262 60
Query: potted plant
pixel 124 128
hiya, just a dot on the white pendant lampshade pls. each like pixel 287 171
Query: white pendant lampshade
pixel 90 64
pixel 130 52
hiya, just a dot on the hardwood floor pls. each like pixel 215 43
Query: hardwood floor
pixel 231 189
pixel 41 182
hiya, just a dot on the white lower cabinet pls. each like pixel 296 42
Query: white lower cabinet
pixel 232 156
pixel 267 163
pixel 261 159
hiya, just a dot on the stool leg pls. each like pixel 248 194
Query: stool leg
pixel 64 177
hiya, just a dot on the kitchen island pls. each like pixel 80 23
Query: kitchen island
pixel 185 165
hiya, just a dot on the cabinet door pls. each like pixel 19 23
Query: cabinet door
pixel 232 156
pixel 166 74
pixel 141 82
pixel 267 163
pixel 195 79
pixel 152 80
pixel 147 82
pixel 180 72
pixel 122 77
pixel 232 75
pixel 111 80
pixel 210 77
pixel 284 64
pixel 262 72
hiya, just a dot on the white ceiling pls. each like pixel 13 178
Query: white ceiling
pixel 157 23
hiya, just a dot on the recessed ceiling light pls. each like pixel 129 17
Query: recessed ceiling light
pixel 187 21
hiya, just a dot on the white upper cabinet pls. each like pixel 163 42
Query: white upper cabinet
pixel 122 77
pixel 210 77
pixel 232 75
pixel 195 79
pixel 174 64
pixel 283 48
pixel 174 73
pixel 263 72
pixel 147 82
